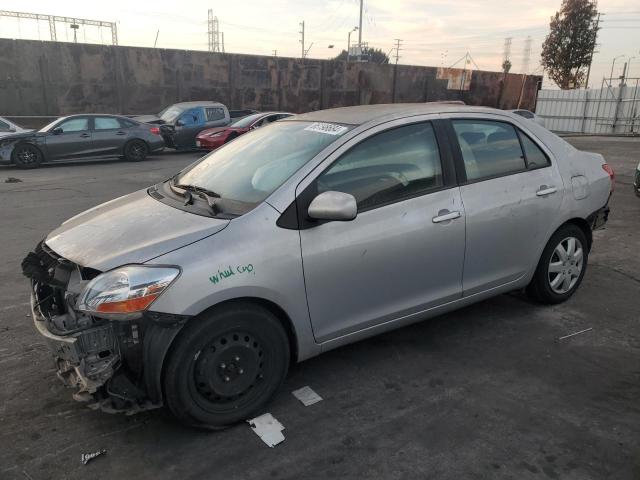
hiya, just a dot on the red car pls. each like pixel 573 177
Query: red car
pixel 213 138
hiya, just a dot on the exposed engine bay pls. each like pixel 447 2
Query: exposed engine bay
pixel 108 362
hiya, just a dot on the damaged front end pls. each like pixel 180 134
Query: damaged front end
pixel 115 364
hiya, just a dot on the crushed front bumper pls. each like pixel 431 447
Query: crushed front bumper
pixel 115 366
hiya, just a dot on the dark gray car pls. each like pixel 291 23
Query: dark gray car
pixel 79 137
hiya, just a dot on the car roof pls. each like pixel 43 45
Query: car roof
pixel 362 114
pixel 204 103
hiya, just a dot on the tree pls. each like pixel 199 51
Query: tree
pixel 567 50
pixel 506 66
pixel 374 55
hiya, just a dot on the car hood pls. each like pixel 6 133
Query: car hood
pixel 20 135
pixel 209 131
pixel 131 229
pixel 152 119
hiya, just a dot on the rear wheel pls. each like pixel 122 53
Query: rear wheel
pixel 225 366
pixel 26 156
pixel 135 151
pixel 561 267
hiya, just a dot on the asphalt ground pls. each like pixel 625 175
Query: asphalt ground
pixel 488 391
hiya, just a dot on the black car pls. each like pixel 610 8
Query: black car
pixel 81 136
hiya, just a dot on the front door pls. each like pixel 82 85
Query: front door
pixel 511 194
pixel 188 126
pixel 74 140
pixel 404 251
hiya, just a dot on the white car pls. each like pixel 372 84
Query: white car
pixel 9 128
pixel 530 116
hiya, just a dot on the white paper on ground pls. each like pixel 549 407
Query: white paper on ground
pixel 306 396
pixel 268 429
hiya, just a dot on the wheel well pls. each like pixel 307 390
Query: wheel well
pixel 585 227
pixel 18 144
pixel 277 311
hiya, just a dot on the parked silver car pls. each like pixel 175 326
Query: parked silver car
pixel 7 127
pixel 311 233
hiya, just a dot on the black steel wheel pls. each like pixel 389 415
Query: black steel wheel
pixel 135 151
pixel 26 155
pixel 226 365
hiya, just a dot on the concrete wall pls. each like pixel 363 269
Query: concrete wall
pixel 54 78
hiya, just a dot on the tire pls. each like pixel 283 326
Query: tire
pixel 136 151
pixel 25 155
pixel 225 366
pixel 557 278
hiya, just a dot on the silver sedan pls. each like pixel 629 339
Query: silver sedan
pixel 311 233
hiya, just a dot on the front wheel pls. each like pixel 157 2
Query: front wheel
pixel 225 366
pixel 26 156
pixel 561 267
pixel 135 151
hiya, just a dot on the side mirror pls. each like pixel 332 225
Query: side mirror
pixel 179 123
pixel 333 206
pixel 57 131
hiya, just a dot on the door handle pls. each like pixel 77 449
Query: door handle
pixel 445 215
pixel 544 191
pixel 84 135
pixel 121 133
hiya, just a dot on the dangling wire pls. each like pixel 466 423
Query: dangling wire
pixel 38 24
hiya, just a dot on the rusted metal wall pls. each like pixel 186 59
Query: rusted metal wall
pixel 54 78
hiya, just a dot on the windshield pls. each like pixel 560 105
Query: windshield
pixel 48 126
pixel 246 121
pixel 169 114
pixel 251 167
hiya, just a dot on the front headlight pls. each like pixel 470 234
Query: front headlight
pixel 124 293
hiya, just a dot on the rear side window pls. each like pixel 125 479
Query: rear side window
pixel 388 167
pixel 4 127
pixel 489 149
pixel 127 123
pixel 105 123
pixel 214 113
pixel 536 158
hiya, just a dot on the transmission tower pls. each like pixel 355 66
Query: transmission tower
pixel 52 20
pixel 526 55
pixel 507 49
pixel 214 32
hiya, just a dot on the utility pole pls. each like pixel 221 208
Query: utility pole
pixel 222 34
pixel 397 48
pixel 75 28
pixel 210 30
pixel 302 38
pixel 156 42
pixel 593 49
pixel 275 53
pixel 360 31
pixel 526 55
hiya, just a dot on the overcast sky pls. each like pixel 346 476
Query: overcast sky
pixel 433 32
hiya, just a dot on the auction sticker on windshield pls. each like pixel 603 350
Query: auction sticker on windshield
pixel 328 128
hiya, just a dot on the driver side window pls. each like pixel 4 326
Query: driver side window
pixel 74 125
pixel 388 167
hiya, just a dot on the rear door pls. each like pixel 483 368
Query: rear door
pixel 511 191
pixel 109 136
pixel 73 142
pixel 401 254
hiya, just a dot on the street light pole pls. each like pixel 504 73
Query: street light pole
pixel 612 65
pixel 349 41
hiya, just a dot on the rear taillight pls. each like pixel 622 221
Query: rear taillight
pixel 612 175
pixel 155 130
